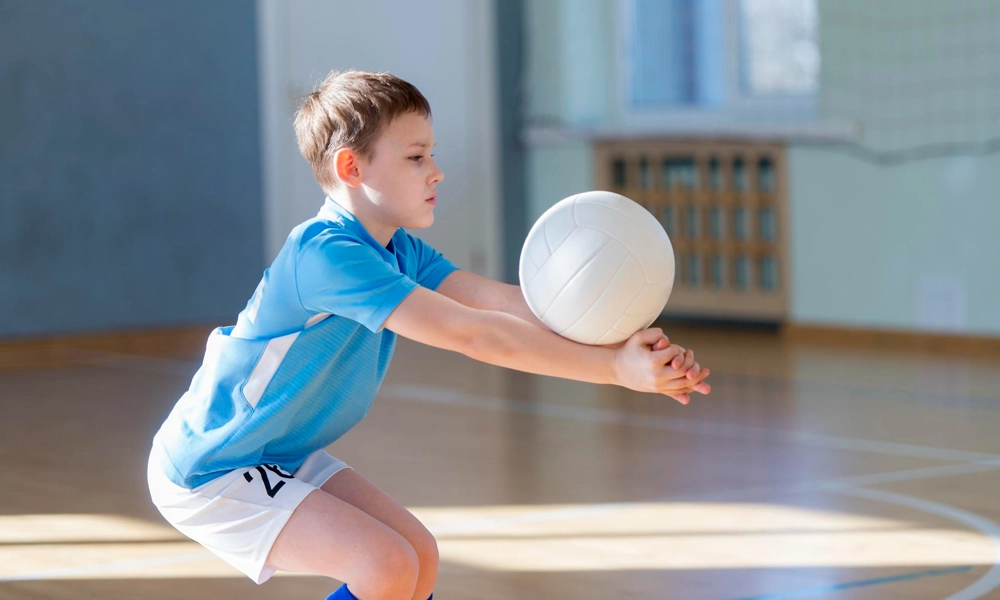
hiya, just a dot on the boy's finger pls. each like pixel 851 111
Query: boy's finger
pixel 678 385
pixel 662 357
pixel 683 381
pixel 677 362
pixel 701 377
pixel 692 373
pixel 648 337
pixel 682 398
pixel 688 360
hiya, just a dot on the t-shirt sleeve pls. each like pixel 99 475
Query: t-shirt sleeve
pixel 432 266
pixel 341 275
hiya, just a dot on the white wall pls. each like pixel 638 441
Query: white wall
pixel 446 49
pixel 571 54
pixel 569 81
pixel 907 247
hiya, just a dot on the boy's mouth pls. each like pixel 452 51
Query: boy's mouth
pixel 432 200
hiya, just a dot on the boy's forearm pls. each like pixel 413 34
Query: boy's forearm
pixel 517 306
pixel 484 293
pixel 511 341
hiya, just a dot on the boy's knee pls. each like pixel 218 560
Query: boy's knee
pixel 427 551
pixel 395 574
pixel 427 554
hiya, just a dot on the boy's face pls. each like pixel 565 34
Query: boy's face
pixel 401 177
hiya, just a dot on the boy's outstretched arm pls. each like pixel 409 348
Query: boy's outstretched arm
pixel 501 339
pixel 487 294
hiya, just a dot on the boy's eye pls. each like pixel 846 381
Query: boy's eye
pixel 416 158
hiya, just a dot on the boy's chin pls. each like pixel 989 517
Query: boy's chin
pixel 422 222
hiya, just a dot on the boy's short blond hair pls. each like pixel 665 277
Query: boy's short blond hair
pixel 349 110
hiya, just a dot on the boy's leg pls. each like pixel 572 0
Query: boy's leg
pixel 357 491
pixel 327 536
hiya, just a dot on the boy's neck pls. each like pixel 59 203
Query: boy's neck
pixel 362 212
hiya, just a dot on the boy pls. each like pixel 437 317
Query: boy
pixel 239 464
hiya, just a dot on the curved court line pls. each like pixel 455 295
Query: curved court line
pixel 854 390
pixel 985 584
pixel 918 473
pixel 851 481
pixel 836 587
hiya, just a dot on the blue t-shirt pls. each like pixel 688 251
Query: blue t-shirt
pixel 306 356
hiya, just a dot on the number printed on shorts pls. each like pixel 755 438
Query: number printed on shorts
pixel 271 491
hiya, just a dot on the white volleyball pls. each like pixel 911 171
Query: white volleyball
pixel 596 268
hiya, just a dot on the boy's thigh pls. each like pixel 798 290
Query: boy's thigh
pixel 357 491
pixel 327 536
pixel 243 515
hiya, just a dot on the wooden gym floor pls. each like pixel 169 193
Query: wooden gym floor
pixel 811 471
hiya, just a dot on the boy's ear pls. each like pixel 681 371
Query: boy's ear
pixel 346 166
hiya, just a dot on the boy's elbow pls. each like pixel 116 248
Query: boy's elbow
pixel 475 344
pixel 485 344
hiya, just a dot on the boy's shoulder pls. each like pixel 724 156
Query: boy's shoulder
pixel 319 228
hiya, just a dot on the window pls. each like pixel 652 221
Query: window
pixel 727 61
pixel 671 60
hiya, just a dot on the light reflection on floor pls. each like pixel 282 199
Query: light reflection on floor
pixel 528 538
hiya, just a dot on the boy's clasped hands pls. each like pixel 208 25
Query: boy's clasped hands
pixel 648 362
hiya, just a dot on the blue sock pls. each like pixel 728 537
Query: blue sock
pixel 342 593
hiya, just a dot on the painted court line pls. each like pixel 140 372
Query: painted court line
pixel 837 587
pixel 985 584
pixel 766 383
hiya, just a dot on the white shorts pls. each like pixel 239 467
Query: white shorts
pixel 239 515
